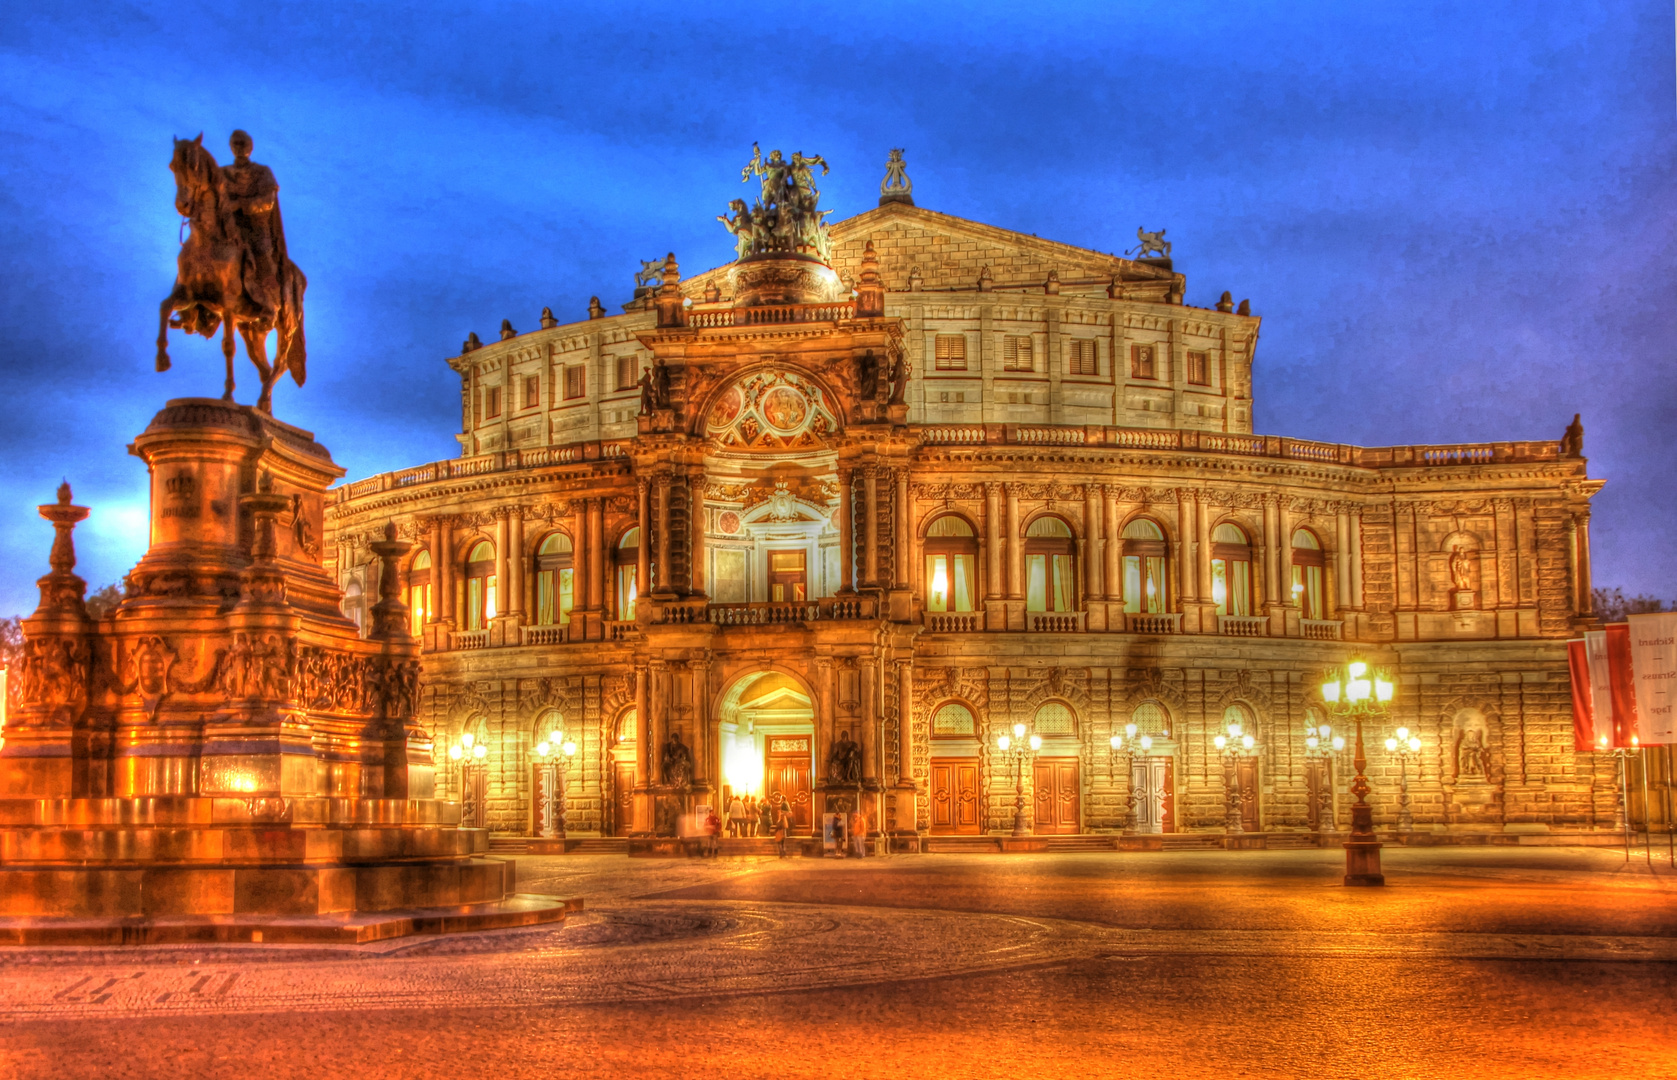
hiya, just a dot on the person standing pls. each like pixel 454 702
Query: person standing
pixel 713 832
pixel 765 818
pixel 859 834
pixel 736 816
pixel 782 823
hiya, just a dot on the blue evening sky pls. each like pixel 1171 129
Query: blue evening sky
pixel 1456 219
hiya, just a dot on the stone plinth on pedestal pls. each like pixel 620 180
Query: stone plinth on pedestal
pixel 224 757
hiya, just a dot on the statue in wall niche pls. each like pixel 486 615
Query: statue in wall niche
pixel 649 396
pixel 1473 757
pixel 1461 570
pixel 899 381
pixel 844 762
pixel 867 376
pixel 1572 443
pixel 677 762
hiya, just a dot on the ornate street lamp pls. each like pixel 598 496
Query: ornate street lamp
pixel 1358 692
pixel 469 753
pixel 1125 746
pixel 553 777
pixel 1021 746
pixel 1322 749
pixel 1405 746
pixel 1230 746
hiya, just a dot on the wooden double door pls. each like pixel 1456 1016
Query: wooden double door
pixel 954 804
pixel 787 770
pixel 1057 794
pixel 623 798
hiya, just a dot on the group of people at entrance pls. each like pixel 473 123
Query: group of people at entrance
pixel 751 816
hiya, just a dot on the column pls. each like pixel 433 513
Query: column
pixel 1342 560
pixel 1355 538
pixel 502 574
pixel 442 569
pixel 439 568
pixel 1187 571
pixel 1271 591
pixel 1114 546
pixel 903 529
pixel 1015 564
pixel 905 723
pixel 825 714
pixel 515 563
pixel 1202 546
pixel 1092 584
pixel 870 525
pixel 871 725
pixel 661 574
pixel 696 532
pixel 596 554
pixel 582 557
pixel 643 741
pixel 847 533
pixel 643 552
pixel 992 541
pixel 703 744
pixel 658 704
pixel 1284 551
pixel 1586 594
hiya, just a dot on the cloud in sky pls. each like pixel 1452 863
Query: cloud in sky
pixel 1456 221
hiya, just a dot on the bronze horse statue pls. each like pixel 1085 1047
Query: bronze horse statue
pixel 217 273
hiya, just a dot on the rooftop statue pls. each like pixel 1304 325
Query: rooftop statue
pixel 233 271
pixel 896 187
pixel 1151 243
pixel 785 219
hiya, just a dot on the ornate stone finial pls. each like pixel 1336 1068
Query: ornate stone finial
pixel 672 307
pixel 471 344
pixel 1572 443
pixel 1052 285
pixel 506 330
pixel 263 583
pixel 596 310
pixel 62 590
pixel 1245 308
pixel 896 187
pixel 713 293
pixel 390 615
pixel 548 321
pixel 870 288
pixel 914 279
pixel 64 493
pixel 985 281
pixel 1226 301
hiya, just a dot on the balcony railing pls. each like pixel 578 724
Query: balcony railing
pixel 1155 623
pixel 1056 622
pixel 468 639
pixel 1243 625
pixel 953 622
pixel 826 609
pixel 545 635
pixel 1322 629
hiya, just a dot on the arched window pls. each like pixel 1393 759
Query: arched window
pixel 1050 566
pixel 550 728
pixel 480 586
pixel 953 720
pixel 627 558
pixel 420 610
pixel 1054 718
pixel 624 737
pixel 951 564
pixel 1150 718
pixel 1231 570
pixel 1307 574
pixel 1144 567
pixel 1241 715
pixel 554 581
pixel 353 606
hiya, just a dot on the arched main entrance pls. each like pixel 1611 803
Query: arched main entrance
pixel 766 743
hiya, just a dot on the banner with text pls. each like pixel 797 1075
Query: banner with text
pixel 1653 654
pixel 1621 679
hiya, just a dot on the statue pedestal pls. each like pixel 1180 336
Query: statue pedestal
pixel 224 758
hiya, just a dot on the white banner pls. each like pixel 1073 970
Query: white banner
pixel 1601 689
pixel 1653 659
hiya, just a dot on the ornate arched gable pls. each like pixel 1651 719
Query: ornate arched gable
pixel 772 409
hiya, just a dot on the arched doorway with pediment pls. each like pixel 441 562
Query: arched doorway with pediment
pixel 765 744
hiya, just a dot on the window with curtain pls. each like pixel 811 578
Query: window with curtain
pixel 1050 566
pixel 951 564
pixel 627 556
pixel 420 610
pixel 953 719
pixel 554 581
pixel 480 586
pixel 1231 570
pixel 1307 575
pixel 1144 553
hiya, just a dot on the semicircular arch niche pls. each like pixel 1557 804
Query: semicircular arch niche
pixel 771 410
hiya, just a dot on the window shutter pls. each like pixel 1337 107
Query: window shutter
pixel 950 352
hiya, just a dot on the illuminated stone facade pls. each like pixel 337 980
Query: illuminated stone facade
pixel 1002 480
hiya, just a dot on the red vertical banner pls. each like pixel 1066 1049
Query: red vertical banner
pixel 1621 677
pixel 1583 711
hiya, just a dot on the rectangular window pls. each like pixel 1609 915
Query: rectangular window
pixel 1016 353
pixel 576 381
pixel 950 352
pixel 949 581
pixel 626 377
pixel 1231 586
pixel 1307 590
pixel 1144 584
pixel 419 606
pixel 1199 368
pixel 1048 582
pixel 553 607
pixel 1082 360
pixel 480 602
pixel 626 593
pixel 1141 362
pixel 491 402
pixel 532 391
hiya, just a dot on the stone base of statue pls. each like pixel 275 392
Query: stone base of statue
pixel 1463 600
pixel 779 278
pixel 224 757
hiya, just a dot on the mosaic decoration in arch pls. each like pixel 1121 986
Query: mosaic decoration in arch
pixel 771 410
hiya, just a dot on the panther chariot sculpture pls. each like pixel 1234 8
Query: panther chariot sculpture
pixel 1152 243
pixel 233 272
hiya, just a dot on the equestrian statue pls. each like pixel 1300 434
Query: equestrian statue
pixel 233 272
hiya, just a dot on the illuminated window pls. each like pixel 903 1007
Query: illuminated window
pixel 1050 566
pixel 627 556
pixel 788 577
pixel 1307 575
pixel 1231 570
pixel 1016 353
pixel 480 586
pixel 950 352
pixel 1054 718
pixel 1150 718
pixel 1082 358
pixel 554 581
pixel 953 719
pixel 1141 362
pixel 419 593
pixel 1144 567
pixel 951 564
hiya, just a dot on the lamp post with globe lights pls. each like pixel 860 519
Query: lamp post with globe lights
pixel 554 756
pixel 1404 746
pixel 1231 747
pixel 1357 692
pixel 1125 746
pixel 469 753
pixel 1322 749
pixel 1020 745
